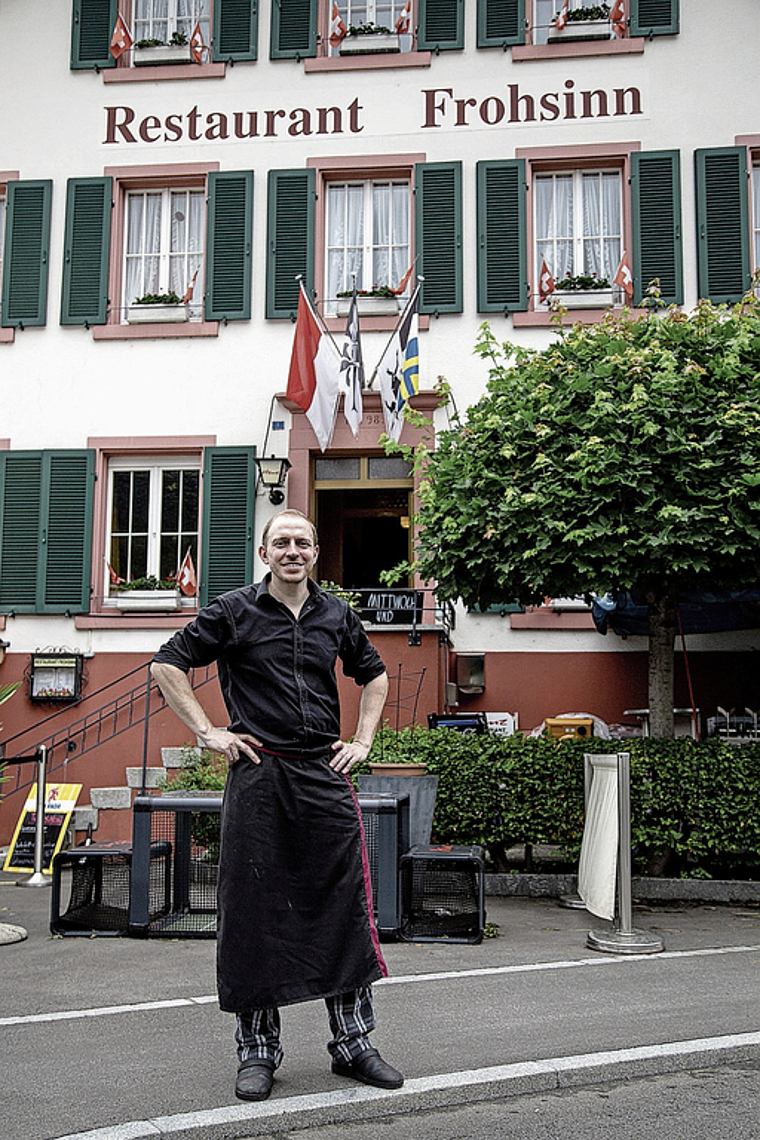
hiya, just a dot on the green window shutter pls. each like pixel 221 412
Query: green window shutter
pixel 84 294
pixel 653 17
pixel 722 223
pixel 235 30
pixel 502 236
pixel 290 238
pixel 92 26
pixel 294 29
pixel 656 215
pixel 440 25
pixel 46 502
pixel 68 486
pixel 27 248
pixel 228 245
pixel 501 23
pixel 438 235
pixel 20 501
pixel 229 488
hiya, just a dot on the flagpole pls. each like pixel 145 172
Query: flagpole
pixel 396 327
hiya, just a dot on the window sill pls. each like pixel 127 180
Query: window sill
pixel 168 71
pixel 168 331
pixel 116 620
pixel 631 46
pixel 372 324
pixel 7 336
pixel 368 62
pixel 547 318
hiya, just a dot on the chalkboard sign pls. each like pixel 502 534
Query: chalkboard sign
pixel 60 801
pixel 391 607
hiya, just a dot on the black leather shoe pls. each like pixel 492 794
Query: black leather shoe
pixel 254 1079
pixel 369 1068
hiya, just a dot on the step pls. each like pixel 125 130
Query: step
pixel 154 777
pixel 119 798
pixel 178 757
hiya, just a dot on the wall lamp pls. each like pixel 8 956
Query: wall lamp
pixel 272 475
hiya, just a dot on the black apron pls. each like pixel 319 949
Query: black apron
pixel 295 910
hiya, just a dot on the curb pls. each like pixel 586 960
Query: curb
pixel 643 889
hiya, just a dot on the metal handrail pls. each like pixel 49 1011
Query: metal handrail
pixel 111 719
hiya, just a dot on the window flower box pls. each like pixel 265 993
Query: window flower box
pixel 370 43
pixel 575 30
pixel 157 55
pixel 155 601
pixel 369 306
pixel 156 314
pixel 583 298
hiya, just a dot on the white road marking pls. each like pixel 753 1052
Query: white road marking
pixel 401 979
pixel 289 1106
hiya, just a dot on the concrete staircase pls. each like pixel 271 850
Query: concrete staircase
pixel 109 812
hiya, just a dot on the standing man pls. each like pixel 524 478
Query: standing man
pixel 295 911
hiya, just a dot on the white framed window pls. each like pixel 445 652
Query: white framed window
pixel 368 235
pixel 164 233
pixel 160 19
pixel 544 12
pixel 153 515
pixel 381 13
pixel 578 222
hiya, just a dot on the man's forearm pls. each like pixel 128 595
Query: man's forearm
pixel 179 696
pixel 371 707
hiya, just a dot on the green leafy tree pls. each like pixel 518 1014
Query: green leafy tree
pixel 625 455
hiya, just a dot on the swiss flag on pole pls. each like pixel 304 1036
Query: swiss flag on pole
pixel 545 282
pixel 186 579
pixel 314 376
pixel 624 276
pixel 561 18
pixel 617 18
pixel 190 290
pixel 337 27
pixel 404 22
pixel 121 40
pixel 404 281
pixel 197 43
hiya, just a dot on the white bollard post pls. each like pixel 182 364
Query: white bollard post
pixel 38 878
pixel 624 938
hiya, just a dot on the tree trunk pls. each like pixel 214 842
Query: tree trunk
pixel 662 633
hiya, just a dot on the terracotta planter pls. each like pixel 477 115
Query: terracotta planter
pixel 369 44
pixel 408 769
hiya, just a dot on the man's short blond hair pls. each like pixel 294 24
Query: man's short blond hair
pixel 292 513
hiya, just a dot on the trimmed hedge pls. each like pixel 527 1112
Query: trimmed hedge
pixel 694 805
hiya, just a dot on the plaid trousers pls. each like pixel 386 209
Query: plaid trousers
pixel 351 1016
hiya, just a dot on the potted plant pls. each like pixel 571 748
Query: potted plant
pixel 583 291
pixel 148 593
pixel 379 301
pixel 152 53
pixel 366 38
pixel 587 23
pixel 157 308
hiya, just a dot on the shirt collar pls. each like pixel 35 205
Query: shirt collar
pixel 262 589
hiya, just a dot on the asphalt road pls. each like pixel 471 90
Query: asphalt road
pixel 529 1035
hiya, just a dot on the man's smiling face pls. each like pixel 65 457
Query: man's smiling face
pixel 290 551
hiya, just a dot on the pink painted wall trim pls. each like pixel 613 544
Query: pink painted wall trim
pixel 629 46
pixel 369 62
pixel 7 336
pixel 173 71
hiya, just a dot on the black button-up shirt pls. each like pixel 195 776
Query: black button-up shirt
pixel 277 672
